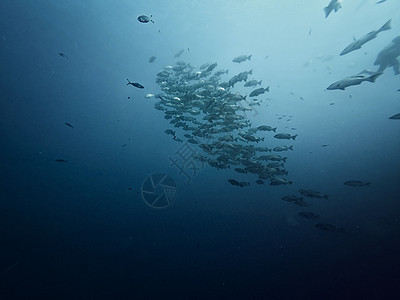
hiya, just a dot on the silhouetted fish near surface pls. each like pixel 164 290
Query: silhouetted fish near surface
pixel 395 117
pixel 68 124
pixel 135 84
pixel 329 227
pixel 152 59
pixel 61 160
pixel 63 55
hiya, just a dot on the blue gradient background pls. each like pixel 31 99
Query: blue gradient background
pixel 76 231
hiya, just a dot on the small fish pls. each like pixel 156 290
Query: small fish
pixel 145 19
pixel 357 183
pixel 61 160
pixel 329 227
pixel 239 170
pixel 177 139
pixel 179 53
pixel 124 145
pixel 152 59
pixel 234 182
pixel 68 124
pixel 134 190
pixel 63 55
pixel 135 84
pixel 308 215
pixel 259 181
pixel 170 131
pixel 313 194
pixel 241 58
pixel 285 136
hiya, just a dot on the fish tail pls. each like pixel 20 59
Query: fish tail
pixel 267 89
pixel 325 197
pixel 386 26
pixel 284 159
pixel 341 229
pixel 249 57
pixel 327 11
pixel 274 129
pixel 374 77
pixel 368 183
pixel 294 137
pixel 290 147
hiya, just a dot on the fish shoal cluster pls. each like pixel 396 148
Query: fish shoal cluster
pixel 199 102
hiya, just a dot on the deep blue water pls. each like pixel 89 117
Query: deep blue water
pixel 81 229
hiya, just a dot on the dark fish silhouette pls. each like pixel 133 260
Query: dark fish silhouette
pixel 145 19
pixel 329 227
pixel 357 183
pixel 68 124
pixel 135 84
pixel 61 160
pixel 152 59
pixel 308 215
pixel 63 55
pixel 395 117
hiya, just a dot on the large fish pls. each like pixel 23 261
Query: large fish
pixel 356 44
pixel 333 5
pixel 355 80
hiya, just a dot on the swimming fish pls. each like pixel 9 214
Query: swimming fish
pixel 135 84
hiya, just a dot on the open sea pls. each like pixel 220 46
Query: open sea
pixel 213 149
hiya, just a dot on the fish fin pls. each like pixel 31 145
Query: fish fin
pixel 274 129
pixel 294 137
pixel 386 26
pixel 267 89
pixel 249 57
pixel 374 77
pixel 284 159
pixel 290 147
pixel 327 11
pixel 325 197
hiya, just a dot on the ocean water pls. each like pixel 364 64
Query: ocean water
pixel 93 226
